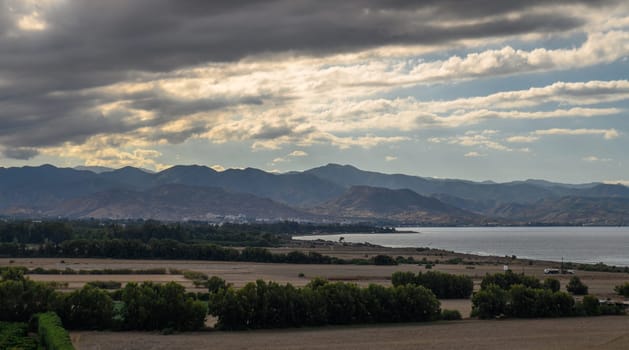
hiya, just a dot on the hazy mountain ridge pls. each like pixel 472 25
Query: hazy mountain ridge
pixel 331 192
pixel 404 206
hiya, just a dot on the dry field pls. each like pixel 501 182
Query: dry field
pixel 568 333
pixel 240 273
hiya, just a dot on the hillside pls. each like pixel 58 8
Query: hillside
pixel 403 206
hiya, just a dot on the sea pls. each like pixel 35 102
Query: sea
pixel 609 245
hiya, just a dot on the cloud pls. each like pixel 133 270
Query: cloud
pixel 596 159
pixel 218 167
pixel 21 153
pixel 608 134
pixel 472 140
pixel 75 73
pixel 617 182
pixel 522 139
pixel 473 155
pixel 390 158
pixel 298 154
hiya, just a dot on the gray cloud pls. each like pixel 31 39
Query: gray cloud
pixel 93 43
pixel 20 153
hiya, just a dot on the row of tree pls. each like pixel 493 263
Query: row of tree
pixel 145 306
pixel 444 285
pixel 516 295
pixel 267 234
pixel 169 249
pixel 271 305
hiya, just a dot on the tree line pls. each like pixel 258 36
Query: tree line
pixel 271 305
pixel 516 295
pixel 444 285
pixel 145 306
pixel 169 249
pixel 227 234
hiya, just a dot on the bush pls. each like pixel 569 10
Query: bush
pixel 623 289
pixel 576 287
pixel 15 336
pixel 384 260
pixel 51 333
pixel 450 315
pixel 104 284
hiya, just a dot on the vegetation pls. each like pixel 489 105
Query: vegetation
pixel 271 305
pixel 552 284
pixel 508 279
pixel 227 234
pixel 534 299
pixel 145 306
pixel 576 287
pixel 169 249
pixel 450 315
pixel 15 336
pixel 623 289
pixel 104 284
pixel 51 333
pixel 150 306
pixel 443 285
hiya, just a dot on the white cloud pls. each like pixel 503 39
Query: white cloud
pixel 522 139
pixel 298 154
pixel 596 159
pixel 617 182
pixel 472 140
pixel 390 158
pixel 473 155
pixel 218 167
pixel 608 134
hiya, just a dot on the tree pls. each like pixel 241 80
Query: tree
pixel 552 284
pixel 87 308
pixel 576 287
pixel 490 302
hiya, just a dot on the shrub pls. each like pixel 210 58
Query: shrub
pixel 623 289
pixel 104 284
pixel 15 336
pixel 576 287
pixel 51 333
pixel 450 315
pixel 384 260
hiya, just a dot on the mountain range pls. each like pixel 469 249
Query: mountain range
pixel 330 193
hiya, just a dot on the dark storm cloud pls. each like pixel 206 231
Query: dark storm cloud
pixel 93 43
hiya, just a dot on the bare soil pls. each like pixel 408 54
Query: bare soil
pixel 606 333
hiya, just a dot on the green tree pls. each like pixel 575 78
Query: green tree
pixel 87 308
pixel 576 287
pixel 490 302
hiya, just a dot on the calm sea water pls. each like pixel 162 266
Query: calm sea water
pixel 609 245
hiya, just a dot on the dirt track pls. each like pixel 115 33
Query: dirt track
pixel 569 333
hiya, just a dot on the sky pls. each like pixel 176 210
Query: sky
pixel 478 89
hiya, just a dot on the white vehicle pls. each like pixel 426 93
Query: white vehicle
pixel 551 271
